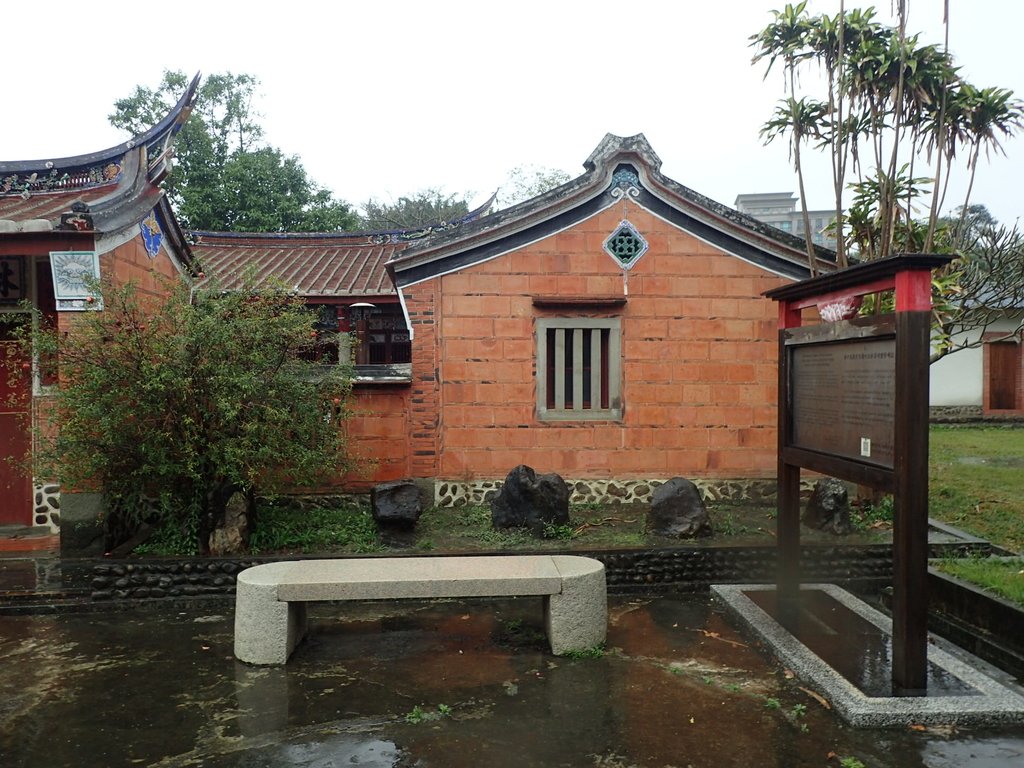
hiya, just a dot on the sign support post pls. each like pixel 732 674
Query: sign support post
pixel 853 404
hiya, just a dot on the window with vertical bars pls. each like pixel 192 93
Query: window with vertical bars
pixel 579 368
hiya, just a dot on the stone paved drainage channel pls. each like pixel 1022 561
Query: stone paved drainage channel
pixel 450 684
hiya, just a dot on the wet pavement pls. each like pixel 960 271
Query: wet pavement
pixel 452 684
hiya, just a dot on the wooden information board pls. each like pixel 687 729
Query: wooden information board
pixel 843 399
pixel 853 404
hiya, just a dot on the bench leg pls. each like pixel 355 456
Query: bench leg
pixel 577 619
pixel 266 629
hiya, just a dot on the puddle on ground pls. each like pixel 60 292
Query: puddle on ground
pixel 992 461
pixel 449 684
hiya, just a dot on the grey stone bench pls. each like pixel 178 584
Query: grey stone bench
pixel 270 601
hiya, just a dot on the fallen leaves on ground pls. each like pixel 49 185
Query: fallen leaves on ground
pixel 816 696
pixel 718 636
pixel 597 524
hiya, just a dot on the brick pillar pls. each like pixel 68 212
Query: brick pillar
pixel 424 403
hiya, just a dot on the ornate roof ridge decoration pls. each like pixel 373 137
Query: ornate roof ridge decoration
pixel 103 167
pixel 105 192
pixel 619 168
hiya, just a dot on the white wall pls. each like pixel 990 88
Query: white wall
pixel 958 379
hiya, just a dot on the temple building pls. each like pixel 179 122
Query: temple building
pixel 65 223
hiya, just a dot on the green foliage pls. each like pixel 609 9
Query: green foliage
pixel 851 762
pixel 976 482
pixel 562 532
pixel 728 526
pixel 418 714
pixel 426 208
pixel 886 103
pixel 174 538
pixel 1004 577
pixel 469 525
pixel 868 515
pixel 415 715
pixel 526 182
pixel 349 528
pixel 225 177
pixel 970 297
pixel 596 652
pixel 772 703
pixel 172 403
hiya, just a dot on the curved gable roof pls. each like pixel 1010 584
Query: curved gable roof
pixel 618 166
pixel 103 191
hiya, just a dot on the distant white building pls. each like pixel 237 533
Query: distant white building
pixel 780 210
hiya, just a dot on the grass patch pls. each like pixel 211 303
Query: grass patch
pixel 872 517
pixel 977 482
pixel 596 652
pixel 348 528
pixel 999 576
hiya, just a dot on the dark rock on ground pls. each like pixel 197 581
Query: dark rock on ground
pixel 678 511
pixel 396 504
pixel 529 500
pixel 828 508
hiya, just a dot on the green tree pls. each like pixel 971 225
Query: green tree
pixel 426 208
pixel 226 178
pixel 891 105
pixel 171 405
pixel 786 39
pixel 983 289
pixel 526 182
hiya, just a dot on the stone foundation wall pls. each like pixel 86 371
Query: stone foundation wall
pixel 942 414
pixel 970 414
pixel 448 493
pixel 676 568
pixel 46 506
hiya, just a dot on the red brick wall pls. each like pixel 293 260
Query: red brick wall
pixel 422 301
pixel 130 262
pixel 378 436
pixel 699 361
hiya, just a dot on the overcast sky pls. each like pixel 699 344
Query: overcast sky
pixel 386 98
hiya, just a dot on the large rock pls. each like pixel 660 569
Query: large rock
pixel 396 504
pixel 232 538
pixel 529 500
pixel 828 509
pixel 678 511
pixel 82 532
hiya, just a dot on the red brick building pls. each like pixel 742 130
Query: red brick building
pixel 611 330
pixel 62 221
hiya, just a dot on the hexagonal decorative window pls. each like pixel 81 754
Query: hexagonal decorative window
pixel 625 245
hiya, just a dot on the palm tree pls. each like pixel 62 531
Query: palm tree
pixel 992 112
pixel 801 119
pixel 786 38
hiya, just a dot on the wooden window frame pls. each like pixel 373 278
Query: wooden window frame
pixel 605 378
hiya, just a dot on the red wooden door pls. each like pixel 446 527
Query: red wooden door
pixel 15 440
pixel 1003 369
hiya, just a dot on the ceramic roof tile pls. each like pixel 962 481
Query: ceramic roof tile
pixel 315 265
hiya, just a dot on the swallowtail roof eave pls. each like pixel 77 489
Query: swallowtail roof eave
pixel 736 233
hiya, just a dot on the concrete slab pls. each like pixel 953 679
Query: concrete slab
pixel 979 698
pixel 411 577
